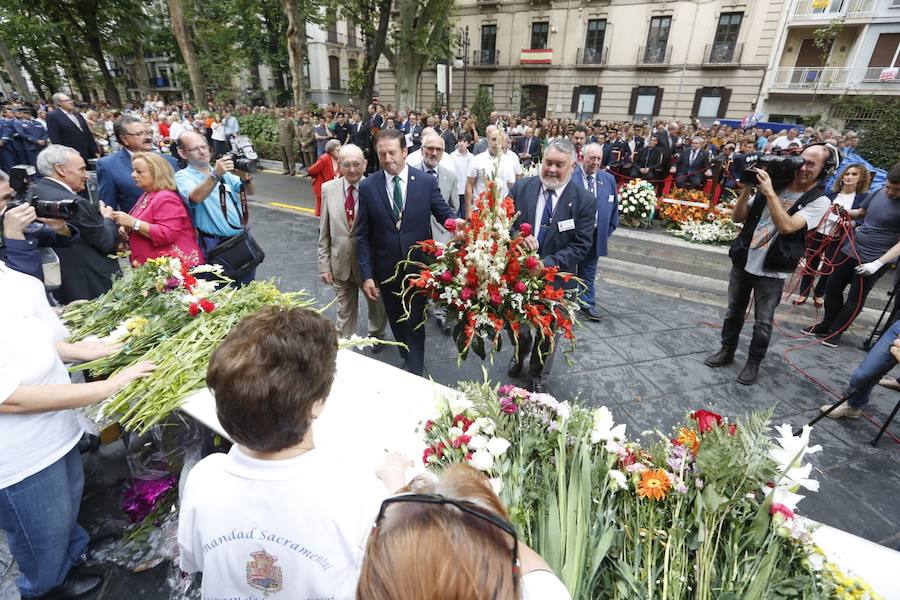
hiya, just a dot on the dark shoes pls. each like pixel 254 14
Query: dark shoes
pixel 817 330
pixel 749 373
pixel 832 341
pixel 591 313
pixel 725 356
pixel 75 586
pixel 537 385
pixel 515 364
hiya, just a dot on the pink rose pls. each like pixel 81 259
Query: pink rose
pixel 519 287
pixel 531 262
pixel 525 228
pixel 446 276
pixel 450 224
pixel 467 293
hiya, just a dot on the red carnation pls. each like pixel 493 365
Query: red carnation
pixel 525 228
pixel 468 456
pixel 732 429
pixel 461 441
pixel 439 449
pixel 467 293
pixel 428 452
pixel 428 425
pixel 450 224
pixel 446 276
pixel 531 262
pixel 519 287
pixel 207 306
pixel 194 309
pixel 706 420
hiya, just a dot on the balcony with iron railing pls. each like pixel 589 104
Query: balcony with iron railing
pixel 807 10
pixel 882 75
pixel 337 85
pixel 722 54
pixel 485 58
pixel 812 78
pixel 592 57
pixel 656 55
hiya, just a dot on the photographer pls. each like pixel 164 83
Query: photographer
pixel 769 248
pixel 41 475
pixel 20 237
pixel 85 266
pixel 198 184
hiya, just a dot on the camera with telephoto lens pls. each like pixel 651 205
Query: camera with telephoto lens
pixel 781 169
pixel 20 177
pixel 242 162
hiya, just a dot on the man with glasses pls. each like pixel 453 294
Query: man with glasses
pixel 337 246
pixel 114 183
pixel 67 127
pixel 199 185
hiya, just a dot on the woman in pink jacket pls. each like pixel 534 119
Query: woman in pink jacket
pixel 159 223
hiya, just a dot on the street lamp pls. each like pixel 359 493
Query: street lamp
pixel 463 61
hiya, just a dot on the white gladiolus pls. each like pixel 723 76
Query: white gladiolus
pixel 498 446
pixel 477 442
pixel 482 460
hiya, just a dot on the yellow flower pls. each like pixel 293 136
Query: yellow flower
pixel 654 484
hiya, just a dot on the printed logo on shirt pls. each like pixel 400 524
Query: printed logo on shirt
pixel 262 573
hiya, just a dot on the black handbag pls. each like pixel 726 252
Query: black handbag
pixel 238 254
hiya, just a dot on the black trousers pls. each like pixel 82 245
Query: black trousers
pixel 541 356
pixel 406 331
pixel 840 312
pixel 766 293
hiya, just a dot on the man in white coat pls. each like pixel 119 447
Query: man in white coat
pixel 338 266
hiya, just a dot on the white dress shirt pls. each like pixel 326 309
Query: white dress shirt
pixel 541 204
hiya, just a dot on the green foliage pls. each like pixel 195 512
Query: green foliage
pixel 823 37
pixel 878 142
pixel 482 108
pixel 263 132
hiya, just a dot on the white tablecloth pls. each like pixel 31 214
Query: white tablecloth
pixel 375 407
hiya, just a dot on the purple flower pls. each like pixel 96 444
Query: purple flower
pixel 144 495
pixel 172 283
pixel 677 458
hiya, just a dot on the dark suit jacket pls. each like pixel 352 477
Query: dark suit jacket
pixel 63 131
pixel 379 246
pixel 86 270
pixel 564 249
pixel 531 147
pixel 114 183
pixel 359 135
pixel 684 165
pixel 607 199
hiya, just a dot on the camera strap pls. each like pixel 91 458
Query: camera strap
pixel 244 210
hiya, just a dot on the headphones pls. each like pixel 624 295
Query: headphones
pixel 832 162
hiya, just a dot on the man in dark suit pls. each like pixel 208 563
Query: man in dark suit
pixel 528 147
pixel 67 127
pixel 562 215
pixel 394 213
pixel 601 185
pixel 85 266
pixel 691 166
pixel 114 183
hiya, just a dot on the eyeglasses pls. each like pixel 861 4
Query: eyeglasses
pixel 469 508
pixel 195 148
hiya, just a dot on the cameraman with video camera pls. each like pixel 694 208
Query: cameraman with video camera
pixel 789 200
pixel 86 266
pixel 20 236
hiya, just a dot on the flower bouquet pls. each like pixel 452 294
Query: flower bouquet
pixel 489 281
pixel 717 231
pixel 690 205
pixel 637 202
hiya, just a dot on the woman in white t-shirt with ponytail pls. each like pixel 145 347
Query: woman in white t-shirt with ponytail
pixel 847 194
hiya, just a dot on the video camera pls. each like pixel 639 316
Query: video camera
pixel 20 178
pixel 781 169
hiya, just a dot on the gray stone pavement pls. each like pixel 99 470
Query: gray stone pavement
pixel 643 360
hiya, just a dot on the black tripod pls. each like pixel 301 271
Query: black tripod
pixel 891 303
pixel 874 379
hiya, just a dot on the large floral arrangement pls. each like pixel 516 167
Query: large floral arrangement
pixel 678 212
pixel 707 511
pixel 488 280
pixel 637 202
pixel 718 231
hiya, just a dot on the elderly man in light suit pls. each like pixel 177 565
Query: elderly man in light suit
pixel 338 266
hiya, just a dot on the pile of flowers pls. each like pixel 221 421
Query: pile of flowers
pixel 637 202
pixel 698 221
pixel 719 231
pixel 677 212
pixel 707 511
pixel 488 280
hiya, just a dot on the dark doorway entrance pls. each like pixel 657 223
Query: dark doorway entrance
pixel 534 100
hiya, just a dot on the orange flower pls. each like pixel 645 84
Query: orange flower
pixel 653 484
pixel 689 439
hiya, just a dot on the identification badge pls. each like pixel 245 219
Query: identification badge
pixel 612 198
pixel 566 225
pixel 399 224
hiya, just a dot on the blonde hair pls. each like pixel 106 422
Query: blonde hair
pixel 160 169
pixel 438 552
pixel 862 186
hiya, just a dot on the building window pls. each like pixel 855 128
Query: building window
pixel 885 59
pixel 710 103
pixel 593 41
pixel 725 41
pixel 657 40
pixel 539 33
pixel 488 45
pixel 352 65
pixel 585 101
pixel 645 102
pixel 334 73
pixel 488 89
pixel 331 29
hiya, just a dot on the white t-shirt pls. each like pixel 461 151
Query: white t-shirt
pixel 32 442
pixel 843 200
pixel 255 526
pixel 218 132
pixel 783 142
pixel 461 164
pixel 543 585
pixel 483 167
pixel 414 159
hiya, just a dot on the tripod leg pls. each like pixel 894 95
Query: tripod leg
pixel 822 415
pixel 886 423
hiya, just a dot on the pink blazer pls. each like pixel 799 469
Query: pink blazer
pixel 171 230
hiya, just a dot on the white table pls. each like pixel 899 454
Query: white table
pixel 375 407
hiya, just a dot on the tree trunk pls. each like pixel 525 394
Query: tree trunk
pixel 73 68
pixel 139 71
pixel 15 72
pixel 273 42
pixel 296 42
pixel 186 45
pixel 407 65
pixel 374 49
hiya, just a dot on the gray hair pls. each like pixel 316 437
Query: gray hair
pixel 331 145
pixel 121 122
pixel 698 138
pixel 592 146
pixel 52 155
pixel 565 146
pixel 58 96
pixel 432 136
pixel 350 149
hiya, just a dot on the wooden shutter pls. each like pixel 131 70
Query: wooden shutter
pixel 658 103
pixel 575 92
pixel 597 93
pixel 632 104
pixel 884 50
pixel 723 102
pixel 698 96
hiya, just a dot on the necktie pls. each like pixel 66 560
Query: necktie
pixel 547 217
pixel 431 172
pixel 590 185
pixel 350 207
pixel 398 199
pixel 693 156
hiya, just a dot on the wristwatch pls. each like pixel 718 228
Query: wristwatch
pixel 136 226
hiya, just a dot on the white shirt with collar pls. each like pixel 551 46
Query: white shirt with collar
pixel 72 117
pixel 541 205
pixel 63 184
pixel 389 185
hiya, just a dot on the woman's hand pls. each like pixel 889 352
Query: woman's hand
pixel 87 350
pixel 131 373
pixel 106 211
pixel 123 219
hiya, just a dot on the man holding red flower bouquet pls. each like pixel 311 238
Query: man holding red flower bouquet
pixel 557 220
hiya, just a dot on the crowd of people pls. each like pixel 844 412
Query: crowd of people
pixel 384 180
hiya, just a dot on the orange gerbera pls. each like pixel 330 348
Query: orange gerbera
pixel 653 484
pixel 689 439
